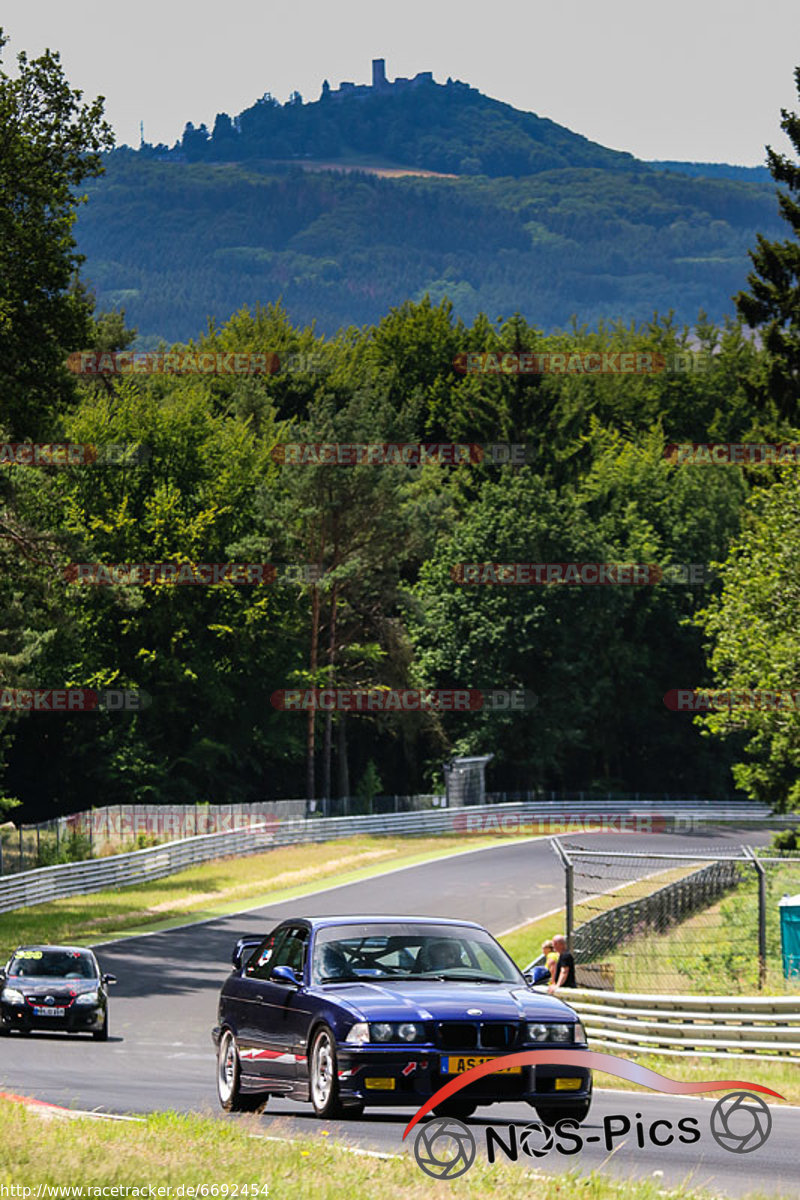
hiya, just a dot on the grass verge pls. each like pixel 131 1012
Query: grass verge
pixel 714 952
pixel 223 887
pixel 781 1077
pixel 525 943
pixel 168 1150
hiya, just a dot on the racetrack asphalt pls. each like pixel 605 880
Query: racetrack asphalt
pixel 160 1055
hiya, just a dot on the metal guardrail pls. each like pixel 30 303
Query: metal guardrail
pixel 50 883
pixel 764 1028
pixel 120 870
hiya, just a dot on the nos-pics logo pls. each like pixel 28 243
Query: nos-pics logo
pixel 445 1148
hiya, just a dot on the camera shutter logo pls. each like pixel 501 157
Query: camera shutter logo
pixel 741 1122
pixel 536 1140
pixel 445 1148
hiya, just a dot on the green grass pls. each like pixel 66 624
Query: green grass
pixel 715 951
pixel 167 1150
pixel 781 1077
pixel 525 943
pixel 223 887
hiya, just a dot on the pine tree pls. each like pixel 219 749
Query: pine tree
pixel 773 301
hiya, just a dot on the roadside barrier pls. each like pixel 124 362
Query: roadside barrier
pixel 765 1028
pixel 43 884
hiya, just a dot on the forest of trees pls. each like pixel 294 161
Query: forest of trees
pixel 175 243
pixel 387 612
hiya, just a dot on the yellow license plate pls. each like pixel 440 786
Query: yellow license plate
pixel 568 1085
pixel 458 1064
pixel 379 1084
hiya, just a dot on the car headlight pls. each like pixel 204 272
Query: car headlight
pixel 359 1034
pixel 538 1031
pixel 382 1031
pixel 410 1031
pixel 12 996
pixel 88 998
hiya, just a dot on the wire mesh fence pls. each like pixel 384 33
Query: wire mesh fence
pixel 701 923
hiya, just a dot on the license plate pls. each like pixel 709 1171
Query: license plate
pixel 458 1064
pixel 48 1012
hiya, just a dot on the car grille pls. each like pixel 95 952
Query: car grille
pixel 59 999
pixel 477 1035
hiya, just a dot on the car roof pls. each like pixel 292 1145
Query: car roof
pixel 47 946
pixel 381 919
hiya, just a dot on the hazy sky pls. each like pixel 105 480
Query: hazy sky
pixel 702 80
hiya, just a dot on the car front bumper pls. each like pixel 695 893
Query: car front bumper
pixel 78 1018
pixel 411 1076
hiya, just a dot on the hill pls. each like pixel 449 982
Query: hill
pixel 448 128
pixel 510 212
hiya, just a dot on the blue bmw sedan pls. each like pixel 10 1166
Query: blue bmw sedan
pixel 346 1012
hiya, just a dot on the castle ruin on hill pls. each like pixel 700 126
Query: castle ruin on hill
pixel 380 84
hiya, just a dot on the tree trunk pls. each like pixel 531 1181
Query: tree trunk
pixel 311 786
pixel 341 756
pixel 328 742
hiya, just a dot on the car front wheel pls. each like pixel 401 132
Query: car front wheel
pixel 101 1035
pixel 229 1079
pixel 323 1077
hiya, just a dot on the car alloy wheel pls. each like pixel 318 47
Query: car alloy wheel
pixel 229 1077
pixel 324 1083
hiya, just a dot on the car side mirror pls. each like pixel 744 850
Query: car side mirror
pixel 537 975
pixel 243 948
pixel 109 979
pixel 282 974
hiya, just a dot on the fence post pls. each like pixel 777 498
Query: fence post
pixel 21 859
pixel 569 888
pixel 762 915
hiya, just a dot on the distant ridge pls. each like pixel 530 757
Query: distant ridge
pixel 701 170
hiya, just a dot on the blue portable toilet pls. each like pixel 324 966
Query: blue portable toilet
pixel 790 936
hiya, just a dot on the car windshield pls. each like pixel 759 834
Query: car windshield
pixel 409 951
pixel 53 964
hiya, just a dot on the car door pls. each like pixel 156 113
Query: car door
pixel 278 1010
pixel 242 1003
